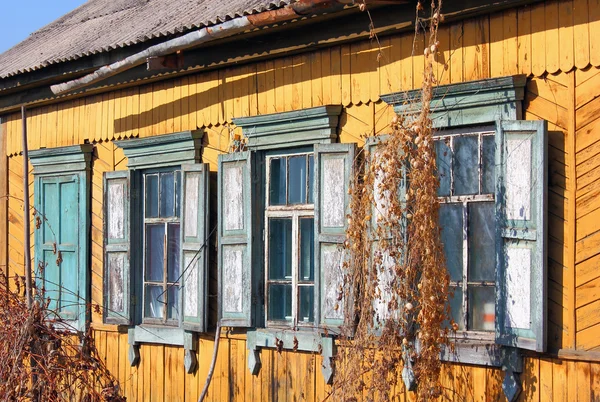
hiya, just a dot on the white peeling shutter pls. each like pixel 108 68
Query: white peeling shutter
pixel 194 245
pixel 117 234
pixel 238 289
pixel 333 175
pixel 521 166
pixel 379 212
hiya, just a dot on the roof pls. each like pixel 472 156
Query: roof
pixel 103 25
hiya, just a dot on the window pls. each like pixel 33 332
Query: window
pixel 156 229
pixel 162 247
pixel 465 160
pixel 290 229
pixel 283 205
pixel 61 193
pixel 493 210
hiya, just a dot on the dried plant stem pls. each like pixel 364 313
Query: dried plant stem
pixel 397 267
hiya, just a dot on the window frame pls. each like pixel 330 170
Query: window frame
pixel 465 201
pixel 170 152
pixel 166 221
pixel 295 212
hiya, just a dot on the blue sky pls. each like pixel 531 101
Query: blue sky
pixel 22 17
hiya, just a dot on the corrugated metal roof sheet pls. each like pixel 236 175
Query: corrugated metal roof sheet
pixel 102 25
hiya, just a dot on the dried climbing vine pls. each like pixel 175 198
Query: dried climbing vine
pixel 42 357
pixel 396 271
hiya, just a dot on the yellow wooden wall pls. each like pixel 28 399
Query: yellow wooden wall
pixel 552 42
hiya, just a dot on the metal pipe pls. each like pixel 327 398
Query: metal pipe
pixel 26 228
pixel 204 35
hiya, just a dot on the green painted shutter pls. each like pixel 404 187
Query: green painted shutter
pixel 334 164
pixel 194 247
pixel 58 245
pixel 521 166
pixel 117 239
pixel 378 212
pixel 239 263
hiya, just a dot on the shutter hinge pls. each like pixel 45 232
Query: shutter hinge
pixel 133 300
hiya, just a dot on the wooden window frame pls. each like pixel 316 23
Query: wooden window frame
pixel 165 321
pixel 295 212
pixel 465 200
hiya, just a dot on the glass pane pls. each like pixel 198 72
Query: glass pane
pixel 466 165
pixel 297 180
pixel 311 178
pixel 482 245
pixel 280 302
pixel 154 302
pixel 456 306
pixel 307 249
pixel 488 164
pixel 277 182
pixel 173 248
pixel 167 195
pixel 177 193
pixel 155 242
pixel 151 196
pixel 443 159
pixel 280 248
pixel 451 222
pixel 173 303
pixel 306 304
pixel 481 308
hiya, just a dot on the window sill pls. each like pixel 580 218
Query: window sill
pixel 470 351
pixel 302 339
pixel 157 334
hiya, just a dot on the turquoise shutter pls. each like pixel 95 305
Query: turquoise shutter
pixel 334 165
pixel 239 283
pixel 194 247
pixel 117 239
pixel 58 246
pixel 379 211
pixel 521 166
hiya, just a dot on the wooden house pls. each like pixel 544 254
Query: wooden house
pixel 133 109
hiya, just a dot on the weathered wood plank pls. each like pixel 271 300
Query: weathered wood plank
pixel 594 29
pixel 588 292
pixel 595 380
pixel 559 384
pixel 456 54
pixel 587 270
pixel 3 200
pixel 546 380
pixel 510 42
pixel 316 74
pixel 588 90
pixel 406 63
pixel 588 247
pixel 497 45
pixel 588 315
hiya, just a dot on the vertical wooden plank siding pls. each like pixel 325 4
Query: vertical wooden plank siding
pixel 3 199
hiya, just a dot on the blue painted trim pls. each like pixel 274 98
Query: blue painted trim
pixel 68 161
pixel 163 150
pixel 474 102
pixel 317 125
pixel 159 335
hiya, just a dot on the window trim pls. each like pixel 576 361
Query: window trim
pixel 481 102
pixel 154 153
